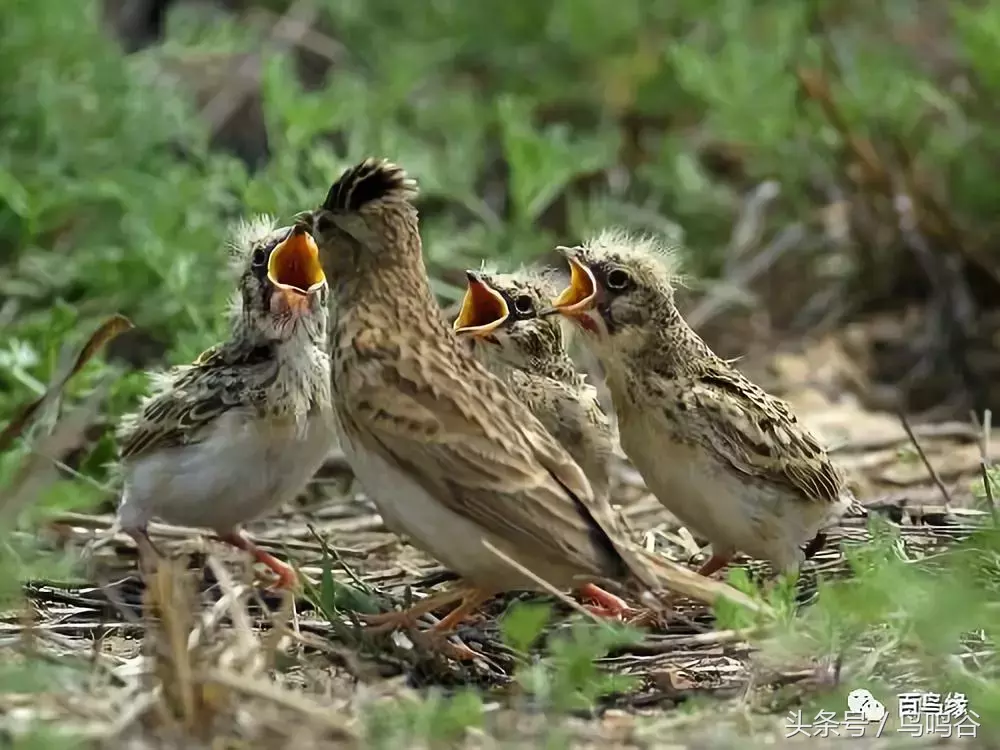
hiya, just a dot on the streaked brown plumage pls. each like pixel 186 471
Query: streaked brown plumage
pixel 450 458
pixel 529 354
pixel 499 316
pixel 728 459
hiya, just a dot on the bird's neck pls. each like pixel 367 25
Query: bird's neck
pixel 303 343
pixel 556 366
pixel 668 347
pixel 389 297
pixel 559 367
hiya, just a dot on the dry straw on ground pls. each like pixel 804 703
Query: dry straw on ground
pixel 202 657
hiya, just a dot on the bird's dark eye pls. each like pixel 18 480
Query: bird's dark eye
pixel 618 280
pixel 524 305
pixel 259 256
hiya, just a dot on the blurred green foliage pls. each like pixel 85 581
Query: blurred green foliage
pixel 527 124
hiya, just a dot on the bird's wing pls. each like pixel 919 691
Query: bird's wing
pixel 457 430
pixel 757 433
pixel 190 398
pixel 584 430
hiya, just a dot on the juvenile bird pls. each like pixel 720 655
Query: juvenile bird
pixel 499 315
pixel 729 460
pixel 448 455
pixel 527 352
pixel 242 429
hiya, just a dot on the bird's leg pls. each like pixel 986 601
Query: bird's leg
pixel 472 598
pixel 604 603
pixel 286 574
pixel 715 563
pixel 149 556
pixel 407 618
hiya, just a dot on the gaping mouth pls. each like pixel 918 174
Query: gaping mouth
pixel 294 264
pixel 483 309
pixel 579 296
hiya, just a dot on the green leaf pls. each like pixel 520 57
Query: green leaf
pixel 544 162
pixel 523 623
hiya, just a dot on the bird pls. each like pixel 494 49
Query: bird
pixel 499 316
pixel 451 459
pixel 729 460
pixel 243 428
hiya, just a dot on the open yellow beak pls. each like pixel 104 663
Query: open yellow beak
pixel 483 309
pixel 579 296
pixel 294 268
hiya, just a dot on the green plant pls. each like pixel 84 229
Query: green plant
pixel 568 677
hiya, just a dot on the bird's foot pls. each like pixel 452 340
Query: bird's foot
pixel 714 564
pixel 605 604
pixel 441 643
pixel 287 578
pixel 407 619
pixel 435 637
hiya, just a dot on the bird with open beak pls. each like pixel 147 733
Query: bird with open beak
pixel 728 459
pixel 242 429
pixel 446 452
pixel 499 315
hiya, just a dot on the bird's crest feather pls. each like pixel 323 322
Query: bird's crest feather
pixel 244 236
pixel 645 251
pixel 371 181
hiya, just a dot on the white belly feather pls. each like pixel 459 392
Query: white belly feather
pixel 243 470
pixel 730 510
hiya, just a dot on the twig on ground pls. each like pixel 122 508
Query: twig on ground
pixel 545 585
pixel 984 459
pixel 297 702
pixel 926 461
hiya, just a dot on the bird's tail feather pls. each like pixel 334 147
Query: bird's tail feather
pixel 677 578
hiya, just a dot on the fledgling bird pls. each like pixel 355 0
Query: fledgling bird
pixel 527 352
pixel 445 452
pixel 729 460
pixel 242 429
pixel 499 315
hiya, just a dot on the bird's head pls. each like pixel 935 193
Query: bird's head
pixel 283 290
pixel 621 290
pixel 499 315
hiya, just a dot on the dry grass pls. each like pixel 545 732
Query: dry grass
pixel 201 655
